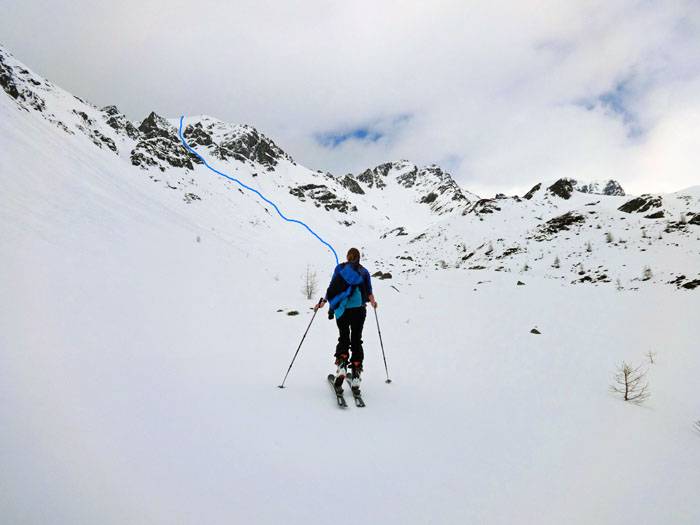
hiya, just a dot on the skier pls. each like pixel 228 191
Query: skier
pixel 348 293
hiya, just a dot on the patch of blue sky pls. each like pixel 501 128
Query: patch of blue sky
pixel 616 102
pixel 332 139
pixel 364 133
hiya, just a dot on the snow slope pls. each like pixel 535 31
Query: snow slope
pixel 141 344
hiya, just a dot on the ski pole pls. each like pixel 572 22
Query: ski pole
pixel 302 340
pixel 382 345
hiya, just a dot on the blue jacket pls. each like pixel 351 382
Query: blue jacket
pixel 347 277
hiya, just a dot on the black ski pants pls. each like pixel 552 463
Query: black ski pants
pixel 350 328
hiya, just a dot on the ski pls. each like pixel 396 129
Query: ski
pixel 356 395
pixel 338 392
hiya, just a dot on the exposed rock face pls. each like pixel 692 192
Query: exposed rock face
pixel 558 224
pixel 248 143
pixel 320 195
pixel 608 187
pixel 641 204
pixel 485 206
pixel 117 121
pixel 565 187
pixel 351 184
pixel 562 188
pixel 195 135
pixel 532 192
pixel 429 185
pixel 408 179
pixel 373 178
pixel 14 82
pixel 159 146
pixel 398 232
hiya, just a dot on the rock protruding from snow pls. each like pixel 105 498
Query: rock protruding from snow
pixel 117 121
pixel 641 204
pixel 18 82
pixel 351 185
pixel 254 146
pixel 563 188
pixel 321 195
pixel 430 185
pixel 159 146
pixel 238 142
pixel 607 187
pixel 530 194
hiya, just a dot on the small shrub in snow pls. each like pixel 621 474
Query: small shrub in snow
pixel 631 383
pixel 309 283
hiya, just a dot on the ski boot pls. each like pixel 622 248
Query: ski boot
pixel 355 377
pixel 341 372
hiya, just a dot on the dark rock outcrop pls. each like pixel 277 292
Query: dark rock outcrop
pixel 558 224
pixel 247 143
pixel 641 204
pixel 320 195
pixel 14 82
pixel 351 184
pixel 562 188
pixel 117 121
pixel 532 192
pixel 159 146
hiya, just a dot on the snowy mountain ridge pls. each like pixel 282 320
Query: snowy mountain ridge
pixel 406 218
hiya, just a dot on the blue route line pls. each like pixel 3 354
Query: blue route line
pixel 257 192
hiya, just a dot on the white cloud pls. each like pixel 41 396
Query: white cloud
pixel 491 88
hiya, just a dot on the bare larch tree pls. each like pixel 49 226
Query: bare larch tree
pixel 631 382
pixel 309 283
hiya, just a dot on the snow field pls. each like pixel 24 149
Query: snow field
pixel 140 385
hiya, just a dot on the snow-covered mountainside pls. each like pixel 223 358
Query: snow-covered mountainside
pixel 407 218
pixel 150 308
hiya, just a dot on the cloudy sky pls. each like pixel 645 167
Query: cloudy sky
pixel 502 94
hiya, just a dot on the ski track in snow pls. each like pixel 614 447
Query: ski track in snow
pixel 256 192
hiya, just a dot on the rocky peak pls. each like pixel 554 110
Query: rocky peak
pixel 563 188
pixel 373 178
pixel 247 142
pixel 351 184
pixel 117 121
pixel 159 146
pixel 607 187
pixel 20 83
pixel 530 194
pixel 156 126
